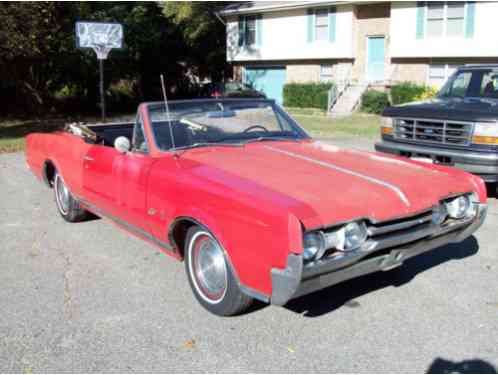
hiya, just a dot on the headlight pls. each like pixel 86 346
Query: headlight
pixel 439 214
pixel 313 245
pixel 485 133
pixel 347 238
pixel 459 207
pixel 355 235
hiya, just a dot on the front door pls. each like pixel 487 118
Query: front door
pixel 375 58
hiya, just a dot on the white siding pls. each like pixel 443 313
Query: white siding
pixel 284 37
pixel 404 43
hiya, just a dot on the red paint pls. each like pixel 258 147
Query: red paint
pixel 255 199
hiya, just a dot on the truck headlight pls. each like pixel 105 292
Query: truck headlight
pixel 460 207
pixel 485 133
pixel 347 238
pixel 313 245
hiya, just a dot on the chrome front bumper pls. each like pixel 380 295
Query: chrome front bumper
pixel 483 164
pixel 297 279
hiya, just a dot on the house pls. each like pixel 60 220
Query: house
pixel 356 43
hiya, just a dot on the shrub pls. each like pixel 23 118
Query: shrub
pixel 408 92
pixel 122 95
pixel 307 95
pixel 373 101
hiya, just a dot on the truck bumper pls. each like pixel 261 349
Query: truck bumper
pixel 483 164
pixel 297 280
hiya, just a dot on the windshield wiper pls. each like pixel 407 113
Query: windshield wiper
pixel 206 144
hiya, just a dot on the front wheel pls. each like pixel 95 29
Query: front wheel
pixel 210 275
pixel 68 207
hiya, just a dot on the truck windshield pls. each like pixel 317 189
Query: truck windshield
pixel 214 122
pixel 477 83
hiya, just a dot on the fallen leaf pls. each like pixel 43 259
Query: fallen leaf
pixel 189 344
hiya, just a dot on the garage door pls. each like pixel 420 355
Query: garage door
pixel 271 81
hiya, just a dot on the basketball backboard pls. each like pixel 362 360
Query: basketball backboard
pixel 100 36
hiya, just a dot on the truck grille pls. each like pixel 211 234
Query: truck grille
pixel 433 131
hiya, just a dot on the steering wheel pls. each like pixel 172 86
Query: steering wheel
pixel 255 127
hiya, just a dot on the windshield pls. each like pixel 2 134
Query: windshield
pixel 220 122
pixel 477 83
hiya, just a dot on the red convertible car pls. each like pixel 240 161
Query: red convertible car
pixel 255 207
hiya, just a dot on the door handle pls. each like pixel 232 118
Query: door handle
pixel 88 158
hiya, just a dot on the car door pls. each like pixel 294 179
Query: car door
pixel 132 172
pixel 99 187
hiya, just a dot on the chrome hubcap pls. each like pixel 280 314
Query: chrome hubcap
pixel 62 195
pixel 210 270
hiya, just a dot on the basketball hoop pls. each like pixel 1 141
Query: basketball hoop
pixel 101 37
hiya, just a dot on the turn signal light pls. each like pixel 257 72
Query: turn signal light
pixel 485 133
pixel 479 139
pixel 387 131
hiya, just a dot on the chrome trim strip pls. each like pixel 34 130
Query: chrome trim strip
pixel 130 227
pixel 373 180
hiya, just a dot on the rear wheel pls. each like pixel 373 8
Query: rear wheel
pixel 210 276
pixel 68 207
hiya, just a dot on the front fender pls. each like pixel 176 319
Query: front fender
pixel 255 248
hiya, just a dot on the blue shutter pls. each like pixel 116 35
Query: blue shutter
pixel 310 19
pixel 420 19
pixel 242 31
pixel 259 29
pixel 470 19
pixel 332 24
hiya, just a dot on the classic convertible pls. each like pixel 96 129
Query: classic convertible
pixel 255 207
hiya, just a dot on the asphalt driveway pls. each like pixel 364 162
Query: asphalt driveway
pixel 88 297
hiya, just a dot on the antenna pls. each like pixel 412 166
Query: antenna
pixel 167 113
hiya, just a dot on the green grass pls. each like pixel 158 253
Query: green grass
pixel 12 132
pixel 358 124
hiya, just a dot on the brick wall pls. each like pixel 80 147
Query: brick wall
pixel 303 73
pixel 369 20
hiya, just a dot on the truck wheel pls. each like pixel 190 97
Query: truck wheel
pixel 68 207
pixel 210 276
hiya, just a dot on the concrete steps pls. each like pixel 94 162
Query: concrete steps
pixel 349 100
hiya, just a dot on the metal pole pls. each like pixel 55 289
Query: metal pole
pixel 102 97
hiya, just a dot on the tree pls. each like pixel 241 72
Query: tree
pixel 39 58
pixel 203 33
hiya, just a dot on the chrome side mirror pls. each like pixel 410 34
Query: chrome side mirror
pixel 122 144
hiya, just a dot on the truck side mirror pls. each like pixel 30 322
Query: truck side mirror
pixel 122 144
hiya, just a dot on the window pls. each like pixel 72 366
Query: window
pixel 326 73
pixel 321 24
pixel 250 37
pixel 445 19
pixel 489 84
pixel 139 142
pixel 439 73
pixel 458 85
pixel 455 14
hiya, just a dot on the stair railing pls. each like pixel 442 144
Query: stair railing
pixel 336 91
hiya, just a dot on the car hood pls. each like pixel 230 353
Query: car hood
pixel 323 184
pixel 456 109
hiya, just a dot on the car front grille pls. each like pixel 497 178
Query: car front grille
pixel 433 131
pixel 404 230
